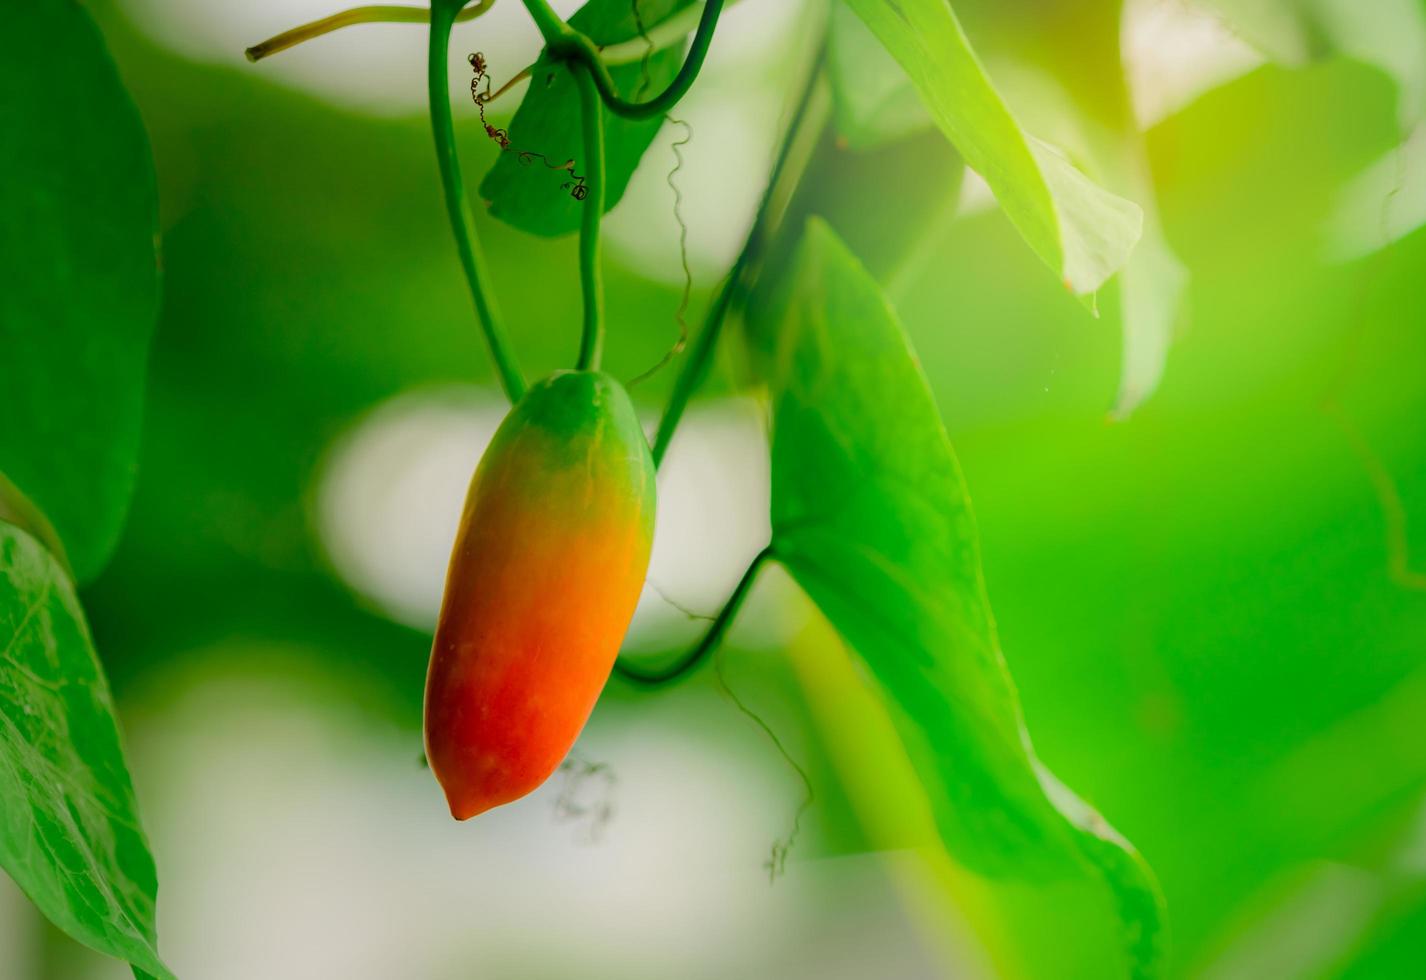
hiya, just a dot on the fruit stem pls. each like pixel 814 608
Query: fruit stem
pixel 443 15
pixel 566 43
pixel 591 342
pixel 374 14
pixel 700 358
pixel 711 639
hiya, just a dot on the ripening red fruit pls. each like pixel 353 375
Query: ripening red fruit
pixel 548 565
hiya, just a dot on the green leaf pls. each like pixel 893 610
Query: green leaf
pixel 528 187
pixel 80 291
pixel 69 829
pixel 1082 232
pixel 870 515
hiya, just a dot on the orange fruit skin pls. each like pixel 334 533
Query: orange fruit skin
pixel 547 568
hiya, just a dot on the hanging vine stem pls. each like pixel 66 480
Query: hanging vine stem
pixel 591 343
pixel 695 368
pixel 586 61
pixel 563 42
pixel 711 639
pixel 443 15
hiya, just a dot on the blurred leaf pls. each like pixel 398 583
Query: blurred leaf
pixel 871 517
pixel 527 191
pixel 1396 943
pixel 1061 69
pixel 80 292
pixel 1080 230
pixel 1389 34
pixel 873 100
pixel 1386 202
pixel 69 830
pixel 886 202
pixel 1383 204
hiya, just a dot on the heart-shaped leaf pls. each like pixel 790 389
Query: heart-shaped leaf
pixel 871 517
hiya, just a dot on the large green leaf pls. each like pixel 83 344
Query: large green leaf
pixel 69 827
pixel 79 283
pixel 870 516
pixel 1082 231
pixel 526 187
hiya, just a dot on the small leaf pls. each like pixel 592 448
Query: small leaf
pixel 871 517
pixel 69 829
pixel 80 291
pixel 1082 232
pixel 526 187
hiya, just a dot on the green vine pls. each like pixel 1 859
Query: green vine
pixel 591 344
pixel 685 664
pixel 700 359
pixel 565 43
pixel 443 15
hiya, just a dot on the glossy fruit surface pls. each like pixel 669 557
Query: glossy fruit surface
pixel 547 567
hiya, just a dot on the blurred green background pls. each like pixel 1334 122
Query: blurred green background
pixel 1204 605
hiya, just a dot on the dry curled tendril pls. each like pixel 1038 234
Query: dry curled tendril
pixel 480 94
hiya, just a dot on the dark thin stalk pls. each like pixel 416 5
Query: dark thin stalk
pixel 591 342
pixel 700 358
pixel 710 641
pixel 375 14
pixel 467 245
pixel 564 42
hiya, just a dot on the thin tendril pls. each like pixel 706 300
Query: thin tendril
pixel 696 367
pixel 480 95
pixel 776 863
pixel 690 613
pixel 576 188
pixel 681 314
